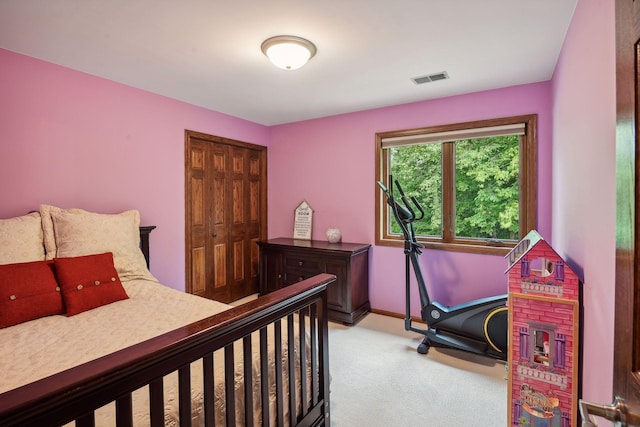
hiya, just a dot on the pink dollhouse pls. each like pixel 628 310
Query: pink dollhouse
pixel 544 317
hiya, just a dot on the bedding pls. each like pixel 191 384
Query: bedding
pixel 51 344
pixel 39 348
pixel 111 302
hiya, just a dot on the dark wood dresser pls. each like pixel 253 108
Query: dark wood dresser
pixel 285 261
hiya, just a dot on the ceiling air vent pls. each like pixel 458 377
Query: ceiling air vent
pixel 430 78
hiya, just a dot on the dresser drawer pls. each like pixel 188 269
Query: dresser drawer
pixel 294 276
pixel 302 263
pixel 298 268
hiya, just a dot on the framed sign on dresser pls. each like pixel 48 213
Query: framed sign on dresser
pixel 285 261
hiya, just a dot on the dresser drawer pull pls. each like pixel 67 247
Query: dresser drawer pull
pixel 300 279
pixel 300 263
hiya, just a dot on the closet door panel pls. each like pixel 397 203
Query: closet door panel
pixel 197 217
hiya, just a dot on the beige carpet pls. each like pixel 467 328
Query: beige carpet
pixel 379 379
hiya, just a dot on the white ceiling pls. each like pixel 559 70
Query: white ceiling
pixel 207 52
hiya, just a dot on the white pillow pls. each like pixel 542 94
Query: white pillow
pixel 77 232
pixel 21 239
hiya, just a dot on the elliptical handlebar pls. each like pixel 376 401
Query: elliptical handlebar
pixel 407 204
pixel 405 215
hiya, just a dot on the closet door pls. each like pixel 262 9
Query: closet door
pixel 225 192
pixel 245 222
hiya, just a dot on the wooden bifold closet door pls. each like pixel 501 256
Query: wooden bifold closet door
pixel 226 215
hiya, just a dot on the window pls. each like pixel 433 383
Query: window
pixel 476 182
pixel 540 345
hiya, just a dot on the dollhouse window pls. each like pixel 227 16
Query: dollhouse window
pixel 524 268
pixel 541 345
pixel 542 267
pixel 541 348
pixel 559 271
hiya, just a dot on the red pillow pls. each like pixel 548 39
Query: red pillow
pixel 88 282
pixel 28 291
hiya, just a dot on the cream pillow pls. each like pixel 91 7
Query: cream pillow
pixel 21 239
pixel 47 227
pixel 77 232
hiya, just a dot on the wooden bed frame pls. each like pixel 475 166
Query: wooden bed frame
pixel 74 394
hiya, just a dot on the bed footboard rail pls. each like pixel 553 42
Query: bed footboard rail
pixel 290 326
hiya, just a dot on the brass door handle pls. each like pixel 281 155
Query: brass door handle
pixel 616 412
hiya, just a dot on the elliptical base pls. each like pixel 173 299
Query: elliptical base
pixel 454 342
pixel 423 348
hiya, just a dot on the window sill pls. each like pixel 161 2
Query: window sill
pixel 476 248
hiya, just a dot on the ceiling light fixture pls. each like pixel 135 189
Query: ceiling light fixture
pixel 288 52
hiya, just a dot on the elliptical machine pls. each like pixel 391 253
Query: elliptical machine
pixel 478 326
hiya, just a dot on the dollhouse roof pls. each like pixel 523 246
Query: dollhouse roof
pixel 525 245
pixel 543 250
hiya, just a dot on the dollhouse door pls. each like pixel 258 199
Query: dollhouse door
pixel 625 409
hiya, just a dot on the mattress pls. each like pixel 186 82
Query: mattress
pixel 42 347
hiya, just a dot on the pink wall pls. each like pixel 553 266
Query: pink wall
pixel 584 121
pixel 330 162
pixel 74 140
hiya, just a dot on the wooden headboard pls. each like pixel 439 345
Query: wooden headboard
pixel 144 240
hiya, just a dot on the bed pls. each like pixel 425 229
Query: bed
pixel 106 344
